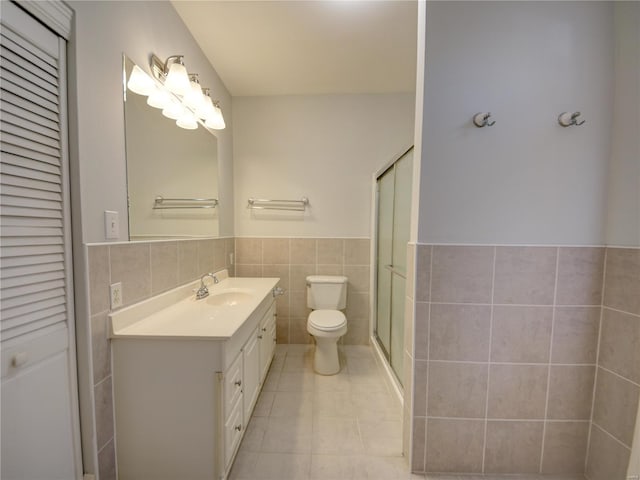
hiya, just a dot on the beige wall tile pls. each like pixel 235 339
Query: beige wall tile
pixel 420 377
pixel 570 392
pixel 299 274
pixel 459 332
pixel 303 251
pixel 457 390
pixel 99 278
pixel 454 445
pixel 100 347
pixel 421 331
pixel 356 251
pixel 298 331
pixel 616 405
pixel 283 303
pixel 205 256
pixel 330 251
pixel 278 271
pixel 230 247
pixel 423 272
pixel 357 305
pixel 243 270
pixel 329 269
pixel 131 265
pixel 187 261
pixel 565 447
pixel 517 391
pixel 164 266
pixel 622 280
pixel 580 275
pixel 298 305
pixel 525 275
pixel 521 334
pixel 219 254
pixel 418 444
pixel 607 459
pixel 282 330
pixel 620 343
pixel 104 412
pixel 461 274
pixel 276 250
pixel 357 331
pixel 575 335
pixel 513 447
pixel 249 251
pixel 358 276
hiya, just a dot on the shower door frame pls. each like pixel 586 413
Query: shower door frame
pixel 373 281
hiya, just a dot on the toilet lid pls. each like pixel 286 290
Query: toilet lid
pixel 327 319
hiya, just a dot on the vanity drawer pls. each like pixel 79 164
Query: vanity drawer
pixel 232 384
pixel 233 431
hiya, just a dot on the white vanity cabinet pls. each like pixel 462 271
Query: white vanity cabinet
pixel 182 403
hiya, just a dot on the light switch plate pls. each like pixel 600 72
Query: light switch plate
pixel 111 225
pixel 116 295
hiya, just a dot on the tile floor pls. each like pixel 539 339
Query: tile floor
pixel 342 427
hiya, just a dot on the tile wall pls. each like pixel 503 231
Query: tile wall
pixel 506 342
pixel 292 259
pixel 618 373
pixel 145 269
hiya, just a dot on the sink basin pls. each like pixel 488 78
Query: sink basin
pixel 229 298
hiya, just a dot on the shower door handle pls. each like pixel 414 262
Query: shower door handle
pixel 393 269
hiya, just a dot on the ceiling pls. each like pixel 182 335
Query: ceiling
pixel 307 47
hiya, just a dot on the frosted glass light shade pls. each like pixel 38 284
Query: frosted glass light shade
pixel 173 110
pixel 194 97
pixel 159 98
pixel 187 120
pixel 215 120
pixel 205 109
pixel 140 83
pixel 177 80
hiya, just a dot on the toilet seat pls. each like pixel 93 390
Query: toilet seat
pixel 327 320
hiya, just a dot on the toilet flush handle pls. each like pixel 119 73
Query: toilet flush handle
pixel 278 291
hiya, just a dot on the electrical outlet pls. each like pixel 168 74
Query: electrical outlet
pixel 116 295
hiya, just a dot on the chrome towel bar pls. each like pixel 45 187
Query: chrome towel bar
pixel 264 204
pixel 162 203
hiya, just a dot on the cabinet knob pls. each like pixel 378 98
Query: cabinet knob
pixel 238 427
pixel 238 383
pixel 260 337
pixel 264 329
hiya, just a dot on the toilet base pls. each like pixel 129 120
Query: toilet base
pixel 325 358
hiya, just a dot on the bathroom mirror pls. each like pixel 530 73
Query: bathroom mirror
pixel 178 165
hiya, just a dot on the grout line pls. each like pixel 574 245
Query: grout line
pixel 620 311
pixel 553 318
pixel 486 405
pixel 618 375
pixel 528 364
pixel 595 376
pixel 621 443
pixel 426 400
pixel 536 420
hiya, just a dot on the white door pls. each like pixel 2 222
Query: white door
pixel 39 414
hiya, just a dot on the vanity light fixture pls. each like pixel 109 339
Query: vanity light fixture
pixel 178 93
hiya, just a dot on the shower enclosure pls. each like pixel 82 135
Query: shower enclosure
pixel 393 195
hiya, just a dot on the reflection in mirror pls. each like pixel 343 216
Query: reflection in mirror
pixel 164 160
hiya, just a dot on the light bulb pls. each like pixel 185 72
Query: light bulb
pixel 173 110
pixel 140 83
pixel 177 80
pixel 187 120
pixel 159 98
pixel 215 120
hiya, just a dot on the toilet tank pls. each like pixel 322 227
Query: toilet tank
pixel 326 292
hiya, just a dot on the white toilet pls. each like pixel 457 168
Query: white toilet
pixel 326 295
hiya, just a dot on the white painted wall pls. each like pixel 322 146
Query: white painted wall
pixel 525 180
pixel 324 147
pixel 104 30
pixel 623 220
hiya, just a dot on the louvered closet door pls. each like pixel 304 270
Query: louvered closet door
pixel 35 288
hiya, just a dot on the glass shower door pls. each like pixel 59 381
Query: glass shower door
pixel 394 210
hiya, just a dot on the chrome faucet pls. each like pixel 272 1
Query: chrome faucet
pixel 203 291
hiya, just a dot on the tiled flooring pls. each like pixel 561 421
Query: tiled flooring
pixel 313 427
pixel 341 427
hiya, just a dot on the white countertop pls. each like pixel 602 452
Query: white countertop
pixel 177 313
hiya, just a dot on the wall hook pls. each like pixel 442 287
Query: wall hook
pixel 567 119
pixel 482 120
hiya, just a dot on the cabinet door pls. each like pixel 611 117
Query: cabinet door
pixel 268 341
pixel 251 372
pixel 233 431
